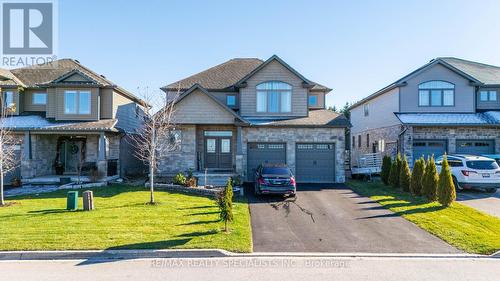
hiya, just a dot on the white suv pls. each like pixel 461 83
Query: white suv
pixel 471 171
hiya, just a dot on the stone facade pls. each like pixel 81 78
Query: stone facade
pixel 44 151
pixel 291 136
pixel 451 134
pixel 383 140
pixel 185 158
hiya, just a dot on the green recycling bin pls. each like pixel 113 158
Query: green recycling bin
pixel 72 200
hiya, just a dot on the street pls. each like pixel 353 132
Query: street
pixel 258 268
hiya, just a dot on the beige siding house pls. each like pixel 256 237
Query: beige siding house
pixel 68 118
pixel 449 105
pixel 245 112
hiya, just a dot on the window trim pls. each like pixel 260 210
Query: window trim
pixel 429 91
pixel 77 102
pixel 265 93
pixel 488 95
pixel 38 93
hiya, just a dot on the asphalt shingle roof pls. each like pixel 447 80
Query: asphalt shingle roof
pixel 224 76
pixel 487 74
pixel 316 118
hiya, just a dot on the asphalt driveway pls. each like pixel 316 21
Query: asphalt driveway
pixel 483 201
pixel 332 218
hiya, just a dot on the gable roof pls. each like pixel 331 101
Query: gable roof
pixel 478 73
pixel 231 74
pixel 198 87
pixel 54 72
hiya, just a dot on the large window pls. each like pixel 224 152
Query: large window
pixel 39 98
pixel 488 95
pixel 8 99
pixel 77 102
pixel 274 97
pixel 436 93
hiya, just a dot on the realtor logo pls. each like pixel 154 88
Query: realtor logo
pixel 28 32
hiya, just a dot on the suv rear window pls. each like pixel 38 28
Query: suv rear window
pixel 275 171
pixel 482 165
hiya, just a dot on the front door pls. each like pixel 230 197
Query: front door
pixel 218 152
pixel 71 155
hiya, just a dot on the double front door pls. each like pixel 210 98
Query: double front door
pixel 218 150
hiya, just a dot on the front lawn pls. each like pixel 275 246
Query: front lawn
pixel 459 225
pixel 121 220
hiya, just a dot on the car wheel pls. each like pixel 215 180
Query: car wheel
pixel 491 190
pixel 293 194
pixel 458 188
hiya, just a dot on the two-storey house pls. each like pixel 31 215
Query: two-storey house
pixel 244 112
pixel 68 119
pixel 448 105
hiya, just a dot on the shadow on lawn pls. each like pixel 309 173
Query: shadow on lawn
pixel 407 212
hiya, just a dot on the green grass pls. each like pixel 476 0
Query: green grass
pixel 459 225
pixel 122 220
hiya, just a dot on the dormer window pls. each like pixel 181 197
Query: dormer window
pixel 77 102
pixel 231 100
pixel 436 93
pixel 488 95
pixel 274 97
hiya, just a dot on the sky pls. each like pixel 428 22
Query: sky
pixel 353 47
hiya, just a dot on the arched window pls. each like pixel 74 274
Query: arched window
pixel 436 93
pixel 274 97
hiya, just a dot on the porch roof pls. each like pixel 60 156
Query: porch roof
pixel 489 118
pixel 316 118
pixel 38 123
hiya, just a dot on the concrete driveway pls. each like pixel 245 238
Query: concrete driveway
pixel 332 218
pixel 483 201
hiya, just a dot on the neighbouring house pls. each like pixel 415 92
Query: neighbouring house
pixel 448 105
pixel 68 119
pixel 244 112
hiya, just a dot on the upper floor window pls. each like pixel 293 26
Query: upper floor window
pixel 231 100
pixel 488 95
pixel 366 109
pixel 39 98
pixel 77 102
pixel 436 93
pixel 274 97
pixel 313 100
pixel 8 99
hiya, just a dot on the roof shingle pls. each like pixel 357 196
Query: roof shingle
pixel 316 118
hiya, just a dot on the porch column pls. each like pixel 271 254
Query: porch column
pixel 102 147
pixel 27 146
pixel 27 169
pixel 239 152
pixel 102 165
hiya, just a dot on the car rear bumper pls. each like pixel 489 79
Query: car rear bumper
pixel 479 184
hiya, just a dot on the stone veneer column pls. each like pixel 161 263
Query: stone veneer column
pixel 408 145
pixel 27 171
pixel 239 153
pixel 101 155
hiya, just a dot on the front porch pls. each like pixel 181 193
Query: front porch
pixel 48 157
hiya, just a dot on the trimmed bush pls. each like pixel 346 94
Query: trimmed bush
pixel 417 177
pixel 446 189
pixel 430 181
pixel 395 171
pixel 179 179
pixel 404 175
pixel 386 169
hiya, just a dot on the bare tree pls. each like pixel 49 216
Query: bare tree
pixel 156 138
pixel 8 160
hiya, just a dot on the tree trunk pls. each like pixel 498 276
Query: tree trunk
pixel 151 183
pixel 225 225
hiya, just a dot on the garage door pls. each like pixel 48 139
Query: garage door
pixel 264 152
pixel 476 147
pixel 427 148
pixel 315 162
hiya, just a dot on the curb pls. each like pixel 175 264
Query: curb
pixel 211 253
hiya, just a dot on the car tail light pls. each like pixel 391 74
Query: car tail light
pixel 497 173
pixel 292 181
pixel 261 181
pixel 467 173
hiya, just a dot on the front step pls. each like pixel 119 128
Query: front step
pixel 215 179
